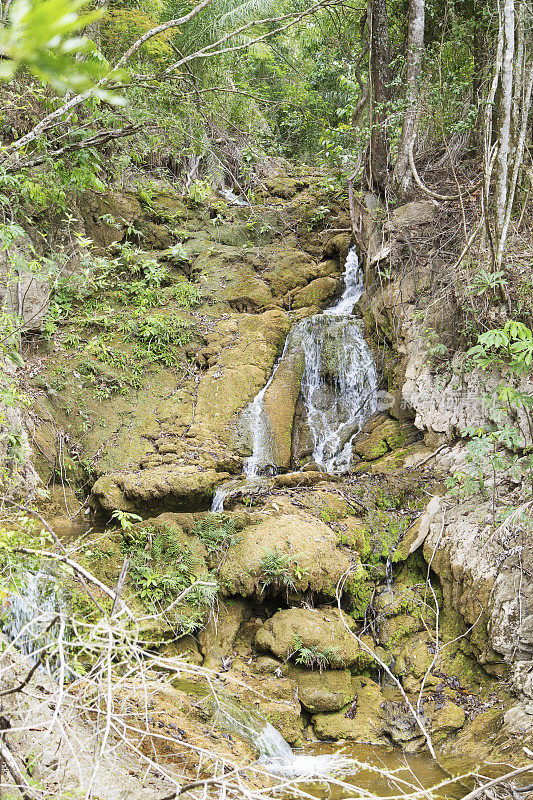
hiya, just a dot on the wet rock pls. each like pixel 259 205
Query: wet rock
pixel 180 486
pixel 324 692
pixel 287 552
pixel 323 631
pixel 360 721
pixel 279 403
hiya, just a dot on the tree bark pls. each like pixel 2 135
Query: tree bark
pixel 415 47
pixel 506 81
pixel 380 76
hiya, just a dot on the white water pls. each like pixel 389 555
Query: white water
pixel 30 610
pixel 257 422
pixel 339 383
pixel 274 752
pixel 232 198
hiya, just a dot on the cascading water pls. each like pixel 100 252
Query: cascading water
pixel 338 386
pixel 28 613
pixel 274 752
pixel 255 418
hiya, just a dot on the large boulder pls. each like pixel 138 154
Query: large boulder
pixel 287 552
pixel 361 721
pixel 172 485
pixel 322 692
pixel 323 632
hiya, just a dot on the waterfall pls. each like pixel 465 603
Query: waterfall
pixel 338 386
pixel 339 383
pixel 30 610
pixel 256 421
pixel 274 752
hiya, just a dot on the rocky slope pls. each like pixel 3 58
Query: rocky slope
pixel 324 583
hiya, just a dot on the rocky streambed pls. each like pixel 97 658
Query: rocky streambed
pixel 364 605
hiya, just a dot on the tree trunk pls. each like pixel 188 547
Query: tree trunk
pixel 380 76
pixel 415 47
pixel 506 82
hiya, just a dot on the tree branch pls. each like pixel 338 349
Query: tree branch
pixel 52 118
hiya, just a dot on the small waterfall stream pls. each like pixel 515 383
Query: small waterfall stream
pixel 30 617
pixel 338 391
pixel 274 752
pixel 338 387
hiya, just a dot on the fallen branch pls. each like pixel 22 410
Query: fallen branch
pixel 497 782
pixel 21 783
pixel 92 141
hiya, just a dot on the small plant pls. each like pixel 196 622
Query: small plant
pixel 217 532
pixel 186 294
pixel 511 346
pixel 314 658
pixel 125 519
pixel 280 570
pixel 486 281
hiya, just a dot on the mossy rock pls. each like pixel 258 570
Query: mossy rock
pixel 316 293
pixel 181 487
pixel 324 692
pixel 361 721
pixel 444 720
pixel 246 292
pixel 323 631
pixel 415 657
pixel 217 638
pixel 304 550
pixel 383 434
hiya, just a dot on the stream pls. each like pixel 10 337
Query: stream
pixel 338 387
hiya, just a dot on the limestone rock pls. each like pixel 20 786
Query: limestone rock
pixel 324 692
pixel 419 212
pixel 381 435
pixel 305 549
pixel 187 647
pixel 22 292
pixel 217 638
pixel 415 657
pixel 279 403
pixel 361 721
pixel 316 293
pixel 320 630
pixel 246 292
pixel 266 665
pixel 106 217
pixel 180 486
